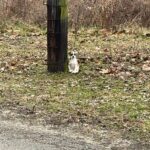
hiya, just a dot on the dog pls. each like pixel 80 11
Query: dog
pixel 73 64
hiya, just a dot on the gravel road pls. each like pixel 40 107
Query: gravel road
pixel 15 136
pixel 18 135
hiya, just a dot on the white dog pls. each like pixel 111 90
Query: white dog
pixel 73 65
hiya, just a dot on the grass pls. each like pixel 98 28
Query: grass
pixel 115 99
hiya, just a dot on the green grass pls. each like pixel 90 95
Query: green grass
pixel 112 101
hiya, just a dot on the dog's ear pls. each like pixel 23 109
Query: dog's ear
pixel 69 53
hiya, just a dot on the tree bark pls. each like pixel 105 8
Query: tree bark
pixel 57 31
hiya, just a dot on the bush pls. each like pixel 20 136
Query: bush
pixel 28 10
pixel 108 13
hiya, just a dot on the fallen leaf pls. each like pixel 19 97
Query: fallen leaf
pixel 105 71
pixel 146 67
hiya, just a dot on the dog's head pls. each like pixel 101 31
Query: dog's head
pixel 73 54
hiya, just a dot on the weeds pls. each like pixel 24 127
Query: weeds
pixel 103 13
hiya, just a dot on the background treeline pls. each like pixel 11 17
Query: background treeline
pixel 105 13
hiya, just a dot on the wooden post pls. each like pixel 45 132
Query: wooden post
pixel 57 31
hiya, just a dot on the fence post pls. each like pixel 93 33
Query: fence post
pixel 57 33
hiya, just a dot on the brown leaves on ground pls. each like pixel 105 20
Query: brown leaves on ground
pixel 18 65
pixel 121 61
pixel 119 54
pixel 120 65
pixel 17 50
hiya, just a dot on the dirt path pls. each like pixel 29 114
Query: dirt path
pixel 15 135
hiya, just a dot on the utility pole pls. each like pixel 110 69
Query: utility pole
pixel 57 35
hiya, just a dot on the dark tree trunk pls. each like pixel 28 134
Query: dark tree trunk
pixel 57 31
